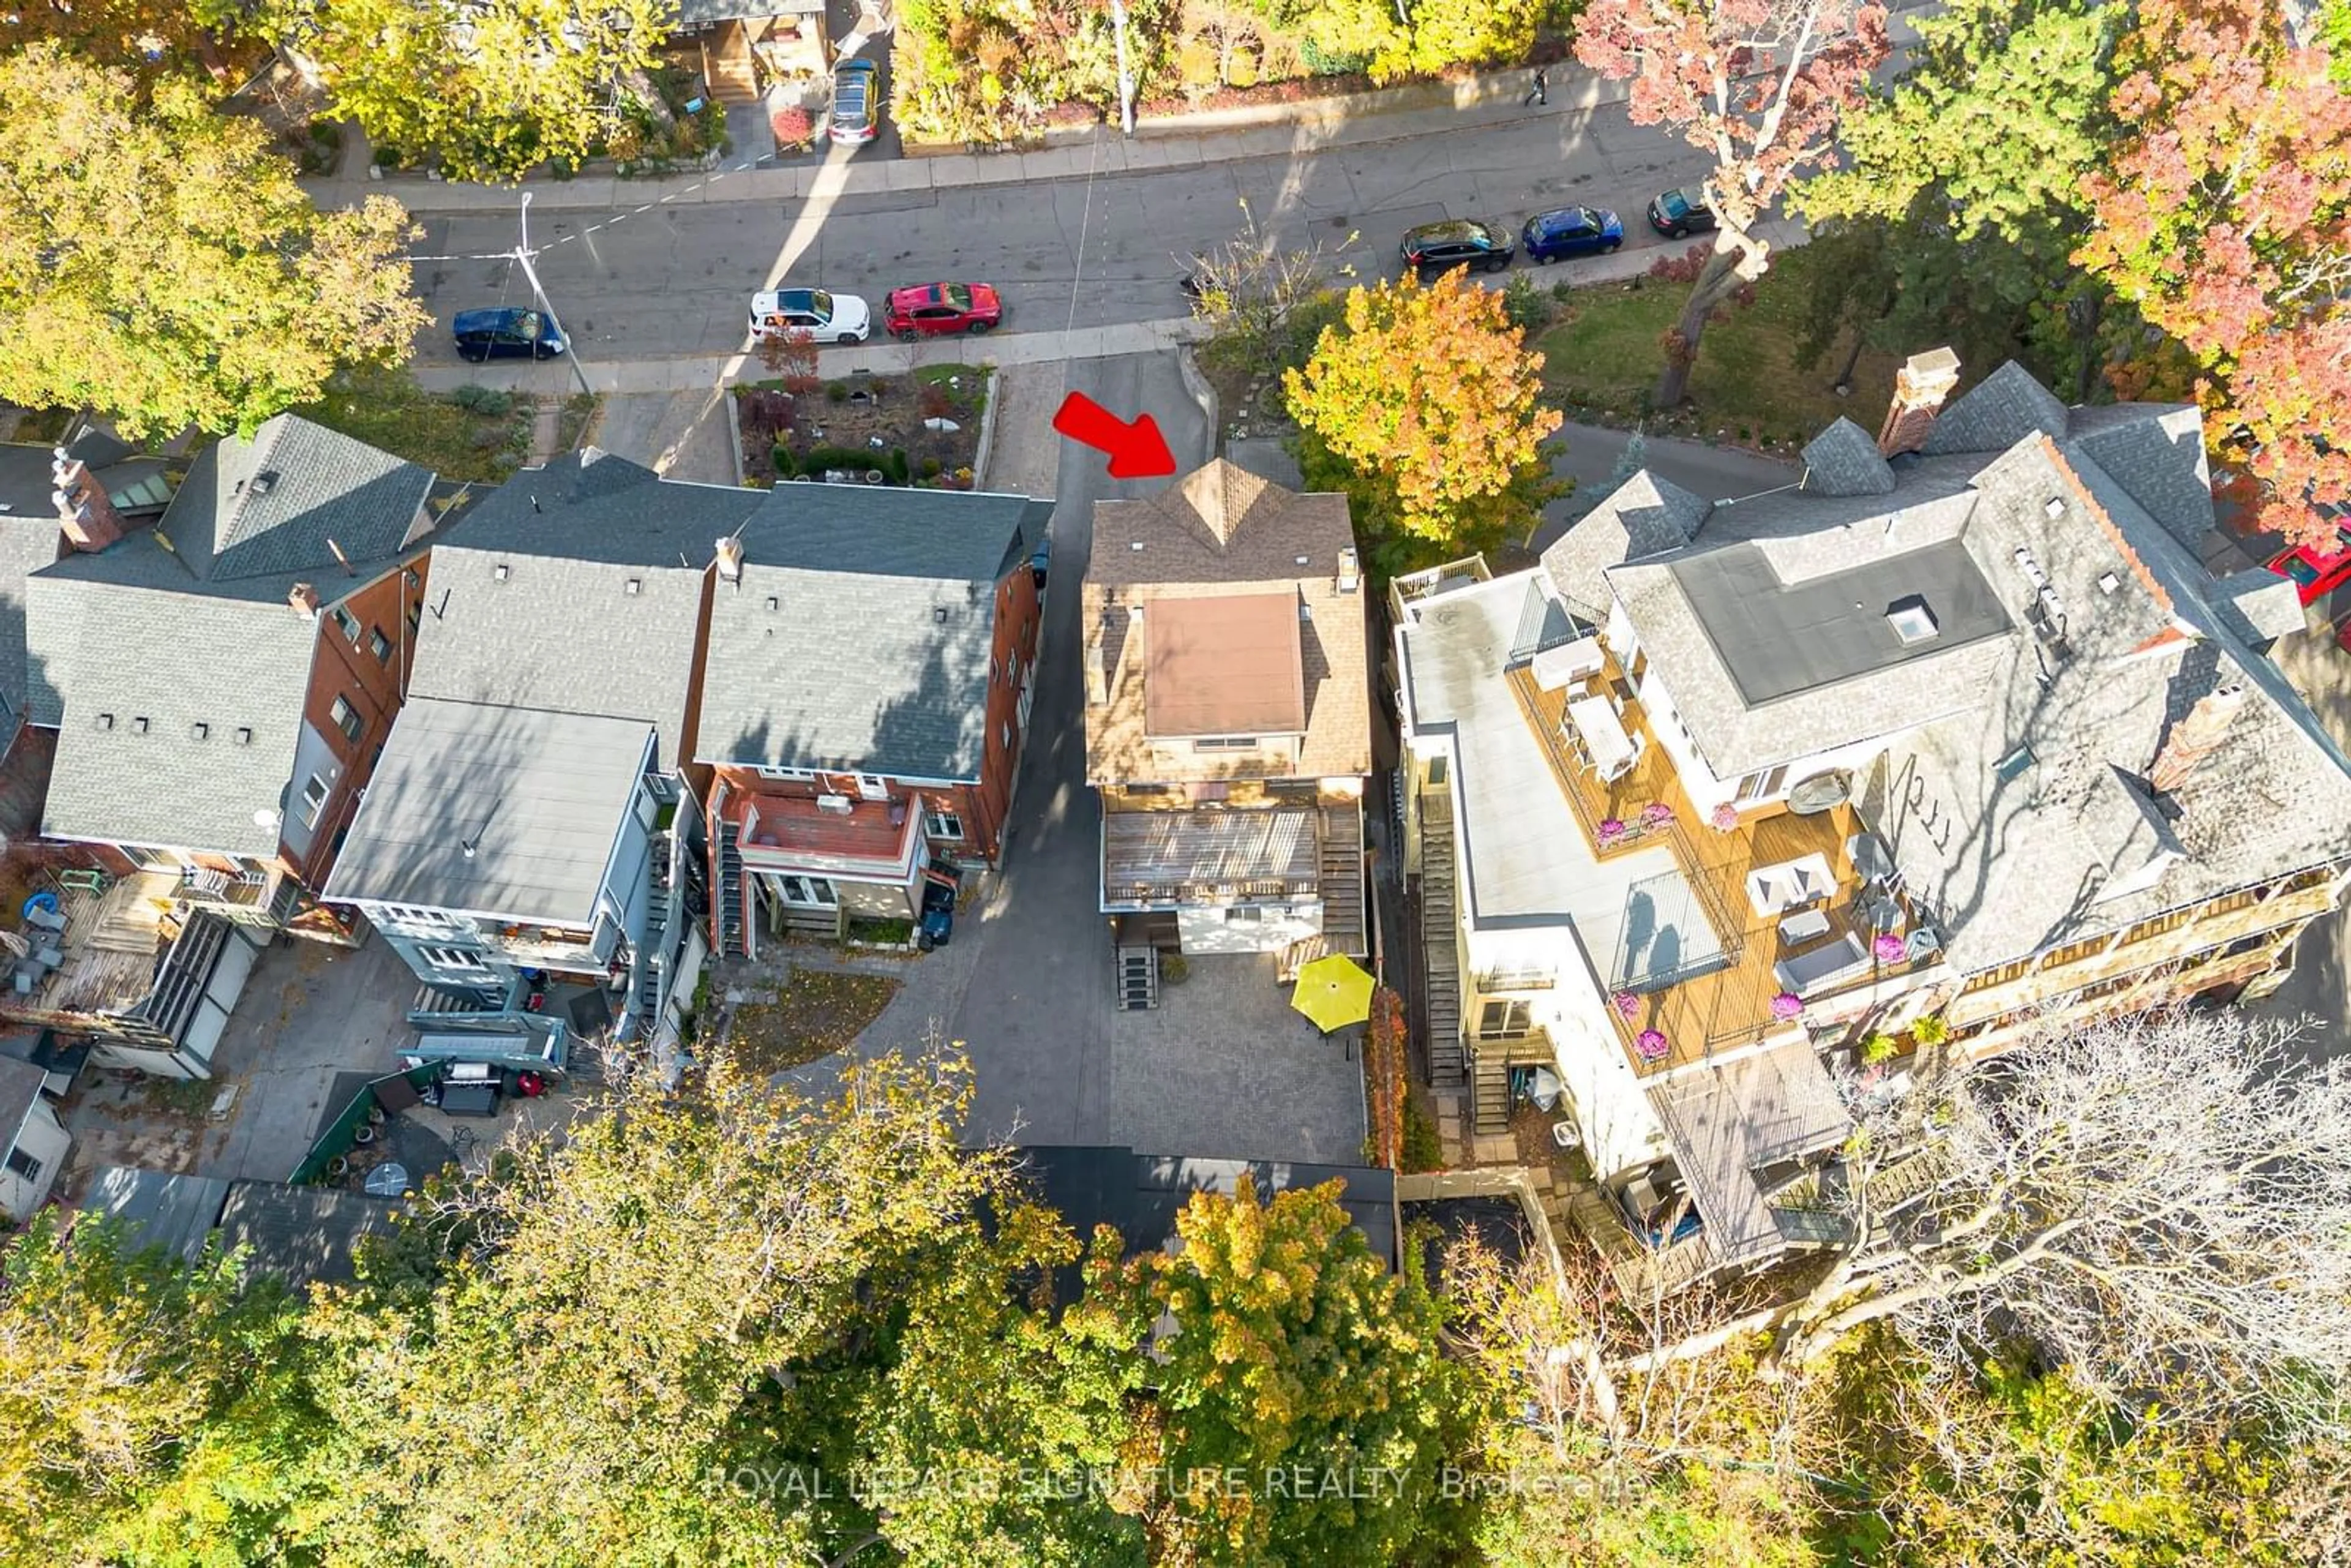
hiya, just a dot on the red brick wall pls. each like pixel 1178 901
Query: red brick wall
pixel 373 688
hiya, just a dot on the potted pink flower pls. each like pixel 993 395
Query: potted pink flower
pixel 1889 948
pixel 1787 1005
pixel 1725 817
pixel 1656 815
pixel 1627 1006
pixel 1652 1044
pixel 1612 831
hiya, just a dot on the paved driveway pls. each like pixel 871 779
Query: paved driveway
pixel 1221 1067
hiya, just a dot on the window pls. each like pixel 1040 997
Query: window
pixel 942 824
pixel 1245 915
pixel 1004 730
pixel 24 1164
pixel 379 645
pixel 458 958
pixel 1499 1017
pixel 347 719
pixel 1437 771
pixel 1227 743
pixel 1756 785
pixel 872 787
pixel 314 801
pixel 812 891
pixel 348 625
pixel 801 773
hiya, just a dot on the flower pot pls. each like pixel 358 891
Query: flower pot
pixel 363 1137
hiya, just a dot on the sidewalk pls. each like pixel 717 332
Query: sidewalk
pixel 1173 141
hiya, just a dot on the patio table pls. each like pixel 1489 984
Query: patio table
pixel 1603 735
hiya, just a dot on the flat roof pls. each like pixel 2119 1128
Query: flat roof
pixel 1231 664
pixel 1779 638
pixel 157 1208
pixel 493 810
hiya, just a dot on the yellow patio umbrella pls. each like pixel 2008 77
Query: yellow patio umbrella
pixel 1333 991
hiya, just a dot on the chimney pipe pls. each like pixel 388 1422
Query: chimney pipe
pixel 349 571
pixel 85 512
pixel 2195 737
pixel 730 559
pixel 1919 388
pixel 304 598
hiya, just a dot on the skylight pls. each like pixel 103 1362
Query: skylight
pixel 1911 620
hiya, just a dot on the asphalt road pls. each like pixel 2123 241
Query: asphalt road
pixel 679 279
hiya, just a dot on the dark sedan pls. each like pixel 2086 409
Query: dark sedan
pixel 1678 213
pixel 1460 242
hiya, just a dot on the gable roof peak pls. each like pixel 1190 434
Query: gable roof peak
pixel 1221 496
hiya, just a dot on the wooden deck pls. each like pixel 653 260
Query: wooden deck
pixel 1728 1006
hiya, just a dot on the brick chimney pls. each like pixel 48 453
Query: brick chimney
pixel 84 510
pixel 730 559
pixel 1919 388
pixel 2195 737
pixel 304 598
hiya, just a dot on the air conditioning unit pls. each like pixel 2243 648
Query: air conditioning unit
pixel 840 804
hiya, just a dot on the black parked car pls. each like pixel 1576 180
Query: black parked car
pixel 505 332
pixel 1457 242
pixel 1678 213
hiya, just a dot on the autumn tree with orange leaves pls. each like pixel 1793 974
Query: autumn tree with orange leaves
pixel 1424 404
pixel 2227 222
pixel 1757 85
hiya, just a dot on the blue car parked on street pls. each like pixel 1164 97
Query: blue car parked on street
pixel 1572 231
pixel 507 332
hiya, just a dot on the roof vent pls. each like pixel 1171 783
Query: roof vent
pixel 1135 612
pixel 1911 620
pixel 244 736
pixel 138 724
pixel 1306 560
pixel 1351 576
pixel 2108 582
pixel 939 614
pixel 1135 546
pixel 636 586
pixel 2054 507
pixel 199 730
pixel 106 721
pixel 772 603
pixel 499 571
pixel 263 481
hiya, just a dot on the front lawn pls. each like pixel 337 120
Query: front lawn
pixel 473 433
pixel 1604 355
pixel 812 1013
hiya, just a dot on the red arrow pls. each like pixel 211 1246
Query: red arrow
pixel 1137 451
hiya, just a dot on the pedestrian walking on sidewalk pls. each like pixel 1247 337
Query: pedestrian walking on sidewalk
pixel 1540 92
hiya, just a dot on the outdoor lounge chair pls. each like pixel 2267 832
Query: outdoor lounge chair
pixel 1818 970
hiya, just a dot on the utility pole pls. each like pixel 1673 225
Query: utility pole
pixel 523 254
pixel 1126 76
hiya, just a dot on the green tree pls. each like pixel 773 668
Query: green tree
pixel 1425 403
pixel 124 1378
pixel 1292 1367
pixel 486 90
pixel 158 263
pixel 1960 193
pixel 662 1312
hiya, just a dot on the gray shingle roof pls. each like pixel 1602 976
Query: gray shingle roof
pixel 1645 516
pixel 287 499
pixel 26 544
pixel 563 629
pixel 2020 820
pixel 501 811
pixel 1843 461
pixel 1996 413
pixel 875 657
pixel 2155 451
pixel 177 660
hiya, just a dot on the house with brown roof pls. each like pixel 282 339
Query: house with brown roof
pixel 1228 720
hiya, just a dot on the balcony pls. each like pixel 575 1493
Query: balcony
pixel 1726 1002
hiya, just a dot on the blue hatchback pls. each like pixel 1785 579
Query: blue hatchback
pixel 1572 231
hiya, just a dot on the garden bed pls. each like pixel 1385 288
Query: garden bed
pixel 809 1014
pixel 863 424
pixel 473 433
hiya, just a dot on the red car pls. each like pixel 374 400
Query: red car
pixel 937 307
pixel 2314 574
